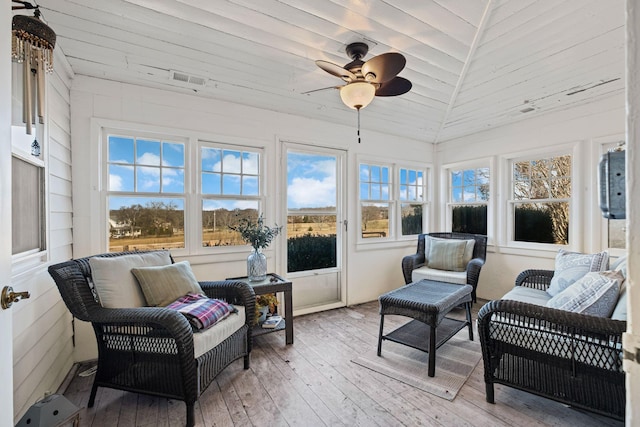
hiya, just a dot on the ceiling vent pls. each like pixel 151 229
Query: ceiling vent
pixel 187 79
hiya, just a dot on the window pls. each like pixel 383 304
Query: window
pixel 383 199
pixel 146 193
pixel 412 198
pixel 468 198
pixel 615 229
pixel 28 213
pixel 230 187
pixel 541 190
pixel 374 200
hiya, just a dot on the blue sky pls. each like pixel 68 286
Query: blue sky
pixel 311 181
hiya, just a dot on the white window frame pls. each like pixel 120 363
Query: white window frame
pixel 575 238
pixel 447 193
pixel 200 197
pixel 395 204
pixel 21 148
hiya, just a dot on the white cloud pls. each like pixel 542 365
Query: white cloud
pixel 115 182
pixel 149 159
pixel 310 192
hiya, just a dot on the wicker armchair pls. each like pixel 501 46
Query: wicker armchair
pixel 569 357
pixel 417 260
pixel 151 349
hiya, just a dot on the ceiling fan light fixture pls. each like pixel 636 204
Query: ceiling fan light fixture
pixel 357 95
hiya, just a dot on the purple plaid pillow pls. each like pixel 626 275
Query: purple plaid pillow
pixel 202 312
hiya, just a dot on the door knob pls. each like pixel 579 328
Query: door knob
pixel 8 297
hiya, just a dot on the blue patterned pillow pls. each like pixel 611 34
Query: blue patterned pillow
pixel 596 294
pixel 572 266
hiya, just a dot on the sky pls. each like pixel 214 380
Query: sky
pixel 146 165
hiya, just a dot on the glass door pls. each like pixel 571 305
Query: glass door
pixel 315 226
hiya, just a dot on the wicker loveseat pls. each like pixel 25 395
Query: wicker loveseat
pixel 151 349
pixel 416 266
pixel 566 356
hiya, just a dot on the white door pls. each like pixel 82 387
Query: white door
pixel 314 256
pixel 6 344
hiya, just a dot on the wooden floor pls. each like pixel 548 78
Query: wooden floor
pixel 314 383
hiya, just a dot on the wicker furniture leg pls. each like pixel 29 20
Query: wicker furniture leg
pixel 380 335
pixel 432 351
pixel 468 308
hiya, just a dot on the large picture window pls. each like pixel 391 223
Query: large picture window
pixel 541 191
pixel 468 199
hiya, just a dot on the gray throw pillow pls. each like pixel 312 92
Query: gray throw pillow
pixel 447 254
pixel 595 294
pixel 571 266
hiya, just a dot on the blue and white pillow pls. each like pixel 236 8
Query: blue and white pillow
pixel 595 294
pixel 572 266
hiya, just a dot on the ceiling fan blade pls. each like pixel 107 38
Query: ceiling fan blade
pixel 336 70
pixel 382 68
pixel 322 88
pixel 395 86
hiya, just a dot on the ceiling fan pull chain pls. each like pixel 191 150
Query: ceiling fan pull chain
pixel 358 126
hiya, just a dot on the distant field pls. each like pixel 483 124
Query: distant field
pixel 228 237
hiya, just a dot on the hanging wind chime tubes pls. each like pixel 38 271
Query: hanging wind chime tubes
pixel 32 44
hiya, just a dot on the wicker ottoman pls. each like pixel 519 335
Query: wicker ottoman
pixel 427 302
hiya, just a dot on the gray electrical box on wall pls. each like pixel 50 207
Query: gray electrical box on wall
pixel 612 184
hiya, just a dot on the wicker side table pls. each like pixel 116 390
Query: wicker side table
pixel 427 302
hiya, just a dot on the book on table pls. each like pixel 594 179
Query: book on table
pixel 272 322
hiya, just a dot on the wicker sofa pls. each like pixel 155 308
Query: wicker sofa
pixel 152 350
pixel 569 357
pixel 416 266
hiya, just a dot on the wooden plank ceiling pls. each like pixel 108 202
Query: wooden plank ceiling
pixel 474 64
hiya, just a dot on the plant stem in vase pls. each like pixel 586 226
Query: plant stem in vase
pixel 257 266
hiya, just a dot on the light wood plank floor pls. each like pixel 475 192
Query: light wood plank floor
pixel 314 383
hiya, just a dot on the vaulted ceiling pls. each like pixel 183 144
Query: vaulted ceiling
pixel 474 64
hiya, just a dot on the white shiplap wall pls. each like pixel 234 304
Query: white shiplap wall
pixel 42 333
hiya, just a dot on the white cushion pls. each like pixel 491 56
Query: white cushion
pixel 571 266
pixel 620 310
pixel 528 295
pixel 594 294
pixel 205 340
pixel 115 284
pixel 459 277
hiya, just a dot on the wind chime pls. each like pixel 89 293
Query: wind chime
pixel 32 44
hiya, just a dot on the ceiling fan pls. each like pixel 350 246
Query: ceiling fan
pixel 367 79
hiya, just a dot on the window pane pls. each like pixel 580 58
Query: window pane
pixel 311 242
pixel 148 179
pixel 411 219
pixel 375 220
pixel 121 149
pixel 456 195
pixel 542 222
pixel 121 178
pixel 456 178
pixel 148 152
pixel 211 159
pixel 173 154
pixel 250 186
pixel 27 206
pixel 172 180
pixel 219 215
pixel 211 183
pixel 469 219
pixel 231 184
pixel 250 163
pixel 364 191
pixel 140 223
pixel 311 181
pixel 231 162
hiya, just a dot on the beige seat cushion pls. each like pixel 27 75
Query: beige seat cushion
pixel 459 277
pixel 115 284
pixel 528 295
pixel 211 337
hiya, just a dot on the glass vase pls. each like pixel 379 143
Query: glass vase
pixel 257 266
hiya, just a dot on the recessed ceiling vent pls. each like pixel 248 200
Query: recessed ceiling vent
pixel 187 79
